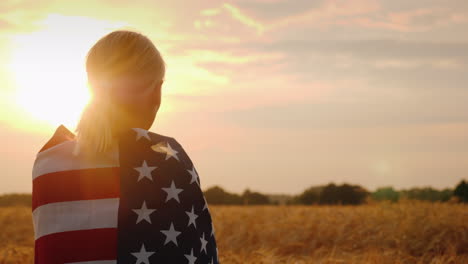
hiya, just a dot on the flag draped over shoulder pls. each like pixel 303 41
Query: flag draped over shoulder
pixel 140 204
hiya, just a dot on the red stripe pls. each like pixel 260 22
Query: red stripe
pixel 73 185
pixel 76 246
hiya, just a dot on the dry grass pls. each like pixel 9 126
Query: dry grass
pixel 16 235
pixel 385 233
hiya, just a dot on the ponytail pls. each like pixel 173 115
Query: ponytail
pixel 94 131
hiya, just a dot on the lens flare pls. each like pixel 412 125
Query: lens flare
pixel 48 66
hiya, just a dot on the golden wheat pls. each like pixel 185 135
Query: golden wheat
pixel 16 235
pixel 407 232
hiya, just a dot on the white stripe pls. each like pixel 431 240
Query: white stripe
pixel 75 215
pixel 61 158
pixel 95 262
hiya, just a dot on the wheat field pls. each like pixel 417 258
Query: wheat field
pixel 405 232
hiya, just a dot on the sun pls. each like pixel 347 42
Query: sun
pixel 48 67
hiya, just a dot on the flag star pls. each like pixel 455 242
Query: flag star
pixel 143 213
pixel 170 152
pixel 194 175
pixel 203 243
pixel 143 255
pixel 141 133
pixel 172 192
pixel 191 258
pixel 145 171
pixel 212 229
pixel 160 147
pixel 192 216
pixel 206 205
pixel 171 235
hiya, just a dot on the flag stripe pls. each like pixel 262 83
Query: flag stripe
pixel 76 215
pixel 95 262
pixel 61 158
pixel 77 246
pixel 86 184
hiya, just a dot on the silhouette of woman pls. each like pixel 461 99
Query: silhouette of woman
pixel 115 192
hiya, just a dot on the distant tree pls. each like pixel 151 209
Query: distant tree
pixel 344 194
pixel 352 194
pixel 294 200
pixel 330 194
pixel 386 194
pixel 254 198
pixel 461 191
pixel 445 195
pixel 217 195
pixel 427 194
pixel 309 196
pixel 280 199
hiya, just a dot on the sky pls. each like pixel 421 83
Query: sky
pixel 271 95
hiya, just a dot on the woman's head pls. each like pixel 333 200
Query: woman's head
pixel 125 74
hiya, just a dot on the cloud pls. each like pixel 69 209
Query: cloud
pixel 448 64
pixel 20 15
pixel 371 15
pixel 392 113
pixel 328 13
pixel 208 56
pixel 240 16
pixel 325 14
pixel 215 16
pixel 415 20
pixel 375 49
pixel 210 12
pixel 268 18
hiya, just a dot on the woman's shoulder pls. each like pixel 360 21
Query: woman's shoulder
pixel 166 146
pixel 61 135
pixel 60 154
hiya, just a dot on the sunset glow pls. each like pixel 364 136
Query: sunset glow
pixel 48 66
pixel 289 93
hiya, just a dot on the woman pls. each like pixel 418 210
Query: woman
pixel 115 192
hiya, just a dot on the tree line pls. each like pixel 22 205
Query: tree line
pixel 217 195
pixel 344 194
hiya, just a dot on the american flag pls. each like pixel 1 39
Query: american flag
pixel 140 204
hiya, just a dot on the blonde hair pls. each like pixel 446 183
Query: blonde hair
pixel 114 60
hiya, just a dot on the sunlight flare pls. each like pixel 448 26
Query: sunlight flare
pixel 48 66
